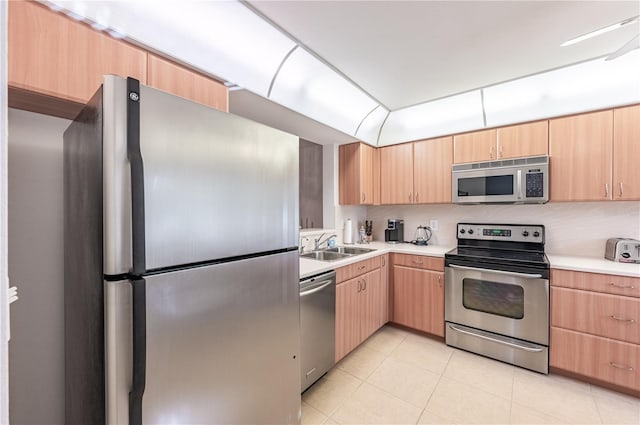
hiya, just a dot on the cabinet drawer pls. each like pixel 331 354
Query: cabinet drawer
pixel 610 316
pixel 608 283
pixel 419 262
pixel 600 358
pixel 356 269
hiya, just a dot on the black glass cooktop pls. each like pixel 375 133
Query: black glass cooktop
pixel 499 255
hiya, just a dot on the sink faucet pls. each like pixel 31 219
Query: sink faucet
pixel 303 241
pixel 318 242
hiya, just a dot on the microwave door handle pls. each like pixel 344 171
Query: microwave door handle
pixel 475 269
pixel 519 183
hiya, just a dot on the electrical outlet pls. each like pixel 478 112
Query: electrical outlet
pixel 434 225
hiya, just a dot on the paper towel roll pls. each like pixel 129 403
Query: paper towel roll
pixel 347 236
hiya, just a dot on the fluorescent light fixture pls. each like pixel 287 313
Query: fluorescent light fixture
pixel 369 128
pixel 310 87
pixel 587 86
pixel 599 31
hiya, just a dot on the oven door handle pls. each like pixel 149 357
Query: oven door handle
pixel 475 269
pixel 496 340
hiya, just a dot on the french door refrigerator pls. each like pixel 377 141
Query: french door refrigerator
pixel 181 264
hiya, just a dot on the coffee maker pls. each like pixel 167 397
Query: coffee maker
pixel 394 233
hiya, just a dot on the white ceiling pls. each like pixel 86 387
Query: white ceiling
pixel 407 52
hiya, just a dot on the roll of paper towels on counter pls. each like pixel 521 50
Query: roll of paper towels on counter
pixel 347 236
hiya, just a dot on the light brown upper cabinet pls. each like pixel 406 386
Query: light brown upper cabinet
pixel 356 174
pixel 514 141
pixel 432 170
pixel 416 173
pixel 581 150
pixel 626 147
pixel 530 139
pixel 475 146
pixel 54 56
pixel 396 174
pixel 178 80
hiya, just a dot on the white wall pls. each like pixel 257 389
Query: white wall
pixel 572 228
pixel 36 255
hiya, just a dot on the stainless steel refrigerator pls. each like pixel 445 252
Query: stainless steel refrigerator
pixel 181 264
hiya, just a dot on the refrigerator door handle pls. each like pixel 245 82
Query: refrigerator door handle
pixel 139 351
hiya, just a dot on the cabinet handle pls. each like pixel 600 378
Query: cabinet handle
pixel 606 190
pixel 362 267
pixel 615 285
pixel 417 197
pixel 359 285
pixel 500 152
pixel 621 366
pixel 364 284
pixel 384 263
pixel 409 197
pixel 418 261
pixel 621 189
pixel 622 319
pixel 440 280
pixel 490 152
pixel 363 197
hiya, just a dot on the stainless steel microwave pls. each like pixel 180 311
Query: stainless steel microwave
pixel 518 181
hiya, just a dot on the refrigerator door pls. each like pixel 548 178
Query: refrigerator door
pixel 222 344
pixel 215 185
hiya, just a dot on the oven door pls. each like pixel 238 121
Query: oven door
pixel 503 302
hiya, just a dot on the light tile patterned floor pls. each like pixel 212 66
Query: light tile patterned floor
pixel 399 377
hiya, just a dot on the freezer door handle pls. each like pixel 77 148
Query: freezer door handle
pixel 139 351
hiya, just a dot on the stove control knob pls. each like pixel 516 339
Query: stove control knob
pixel 525 233
pixel 536 234
pixel 471 231
pixel 462 231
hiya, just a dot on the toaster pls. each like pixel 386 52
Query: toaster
pixel 623 250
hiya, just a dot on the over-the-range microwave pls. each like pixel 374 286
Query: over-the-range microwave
pixel 519 180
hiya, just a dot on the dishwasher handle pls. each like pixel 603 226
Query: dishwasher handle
pixel 316 288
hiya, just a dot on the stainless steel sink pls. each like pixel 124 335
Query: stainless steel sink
pixel 352 250
pixel 324 255
pixel 335 253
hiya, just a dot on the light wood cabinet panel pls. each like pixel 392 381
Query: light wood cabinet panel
pixel 173 78
pixel 475 146
pixel 611 284
pixel 356 174
pixel 626 152
pixel 396 174
pixel 610 316
pixel 376 176
pixel 604 359
pixel 357 269
pixel 348 317
pixel 432 170
pixel 384 282
pixel 530 139
pixel 56 56
pixel 419 262
pixel 418 299
pixel 580 147
pixel 373 299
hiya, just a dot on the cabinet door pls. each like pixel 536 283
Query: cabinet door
pixel 396 174
pixel 476 146
pixel 418 299
pixel 170 77
pixel 355 171
pixel 348 316
pixel 581 157
pixel 384 283
pixel 529 139
pixel 53 55
pixel 432 170
pixel 372 299
pixel 626 146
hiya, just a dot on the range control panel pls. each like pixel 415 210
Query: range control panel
pixel 501 232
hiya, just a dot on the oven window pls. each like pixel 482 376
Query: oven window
pixel 493 298
pixel 483 186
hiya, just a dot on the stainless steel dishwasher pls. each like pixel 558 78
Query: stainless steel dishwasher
pixel 317 327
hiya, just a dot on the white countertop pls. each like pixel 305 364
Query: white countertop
pixel 593 265
pixel 565 262
pixel 313 267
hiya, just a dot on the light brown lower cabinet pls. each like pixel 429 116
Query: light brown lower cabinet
pixel 418 294
pixel 595 329
pixel 604 359
pixel 361 306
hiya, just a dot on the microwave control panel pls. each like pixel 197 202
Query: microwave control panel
pixel 534 185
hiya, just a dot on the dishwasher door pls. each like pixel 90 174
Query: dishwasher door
pixel 317 327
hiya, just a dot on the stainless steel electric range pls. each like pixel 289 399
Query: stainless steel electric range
pixel 497 293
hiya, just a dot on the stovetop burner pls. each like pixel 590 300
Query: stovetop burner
pixel 498 254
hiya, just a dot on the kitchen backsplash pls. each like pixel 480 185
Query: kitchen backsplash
pixel 573 228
